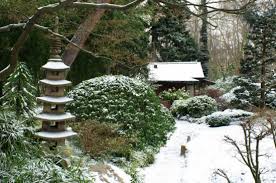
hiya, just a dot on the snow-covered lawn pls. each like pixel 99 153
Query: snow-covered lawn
pixel 207 152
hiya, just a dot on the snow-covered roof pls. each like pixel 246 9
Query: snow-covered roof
pixel 55 135
pixel 55 66
pixel 55 117
pixel 54 100
pixel 175 71
pixel 55 82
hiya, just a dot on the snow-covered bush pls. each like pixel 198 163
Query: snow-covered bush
pixel 225 84
pixel 223 118
pixel 128 102
pixel 232 113
pixel 194 107
pixel 173 94
pixel 11 133
pixel 216 121
pixel 40 169
pixel 244 95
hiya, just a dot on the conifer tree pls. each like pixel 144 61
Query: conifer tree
pixel 259 52
pixel 171 40
pixel 19 92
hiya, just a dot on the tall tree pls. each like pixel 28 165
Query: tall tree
pixel 170 37
pixel 260 50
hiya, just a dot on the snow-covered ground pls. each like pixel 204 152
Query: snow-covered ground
pixel 207 152
pixel 107 173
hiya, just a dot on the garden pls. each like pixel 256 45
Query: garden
pixel 80 106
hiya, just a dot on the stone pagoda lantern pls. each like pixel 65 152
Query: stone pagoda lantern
pixel 53 87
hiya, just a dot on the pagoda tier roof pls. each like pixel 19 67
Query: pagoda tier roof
pixel 55 65
pixel 54 100
pixel 55 117
pixel 55 135
pixel 55 82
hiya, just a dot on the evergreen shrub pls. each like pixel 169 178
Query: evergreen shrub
pixel 216 121
pixel 130 103
pixel 194 107
pixel 19 91
pixel 173 94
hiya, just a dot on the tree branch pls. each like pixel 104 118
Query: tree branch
pixel 25 34
pixel 48 9
pixel 106 5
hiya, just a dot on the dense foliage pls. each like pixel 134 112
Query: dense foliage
pixel 246 93
pixel 216 121
pixel 223 118
pixel 173 94
pixel 19 91
pixel 261 42
pixel 23 160
pixel 171 39
pixel 259 51
pixel 102 140
pixel 194 107
pixel 119 39
pixel 11 133
pixel 128 102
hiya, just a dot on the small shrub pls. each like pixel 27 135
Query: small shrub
pixel 102 139
pixel 173 94
pixel 195 107
pixel 216 121
pixel 214 92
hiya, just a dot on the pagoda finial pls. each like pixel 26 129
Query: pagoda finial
pixel 55 42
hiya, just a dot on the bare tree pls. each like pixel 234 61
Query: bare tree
pixel 253 134
pixel 222 174
pixel 272 129
pixel 269 116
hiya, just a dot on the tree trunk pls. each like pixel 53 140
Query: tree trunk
pixel 263 74
pixel 204 39
pixel 263 83
pixel 82 34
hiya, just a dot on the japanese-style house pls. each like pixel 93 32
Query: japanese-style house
pixel 187 75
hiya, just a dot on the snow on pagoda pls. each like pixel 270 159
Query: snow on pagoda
pixel 53 87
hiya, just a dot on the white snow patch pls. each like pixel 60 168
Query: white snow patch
pixel 207 152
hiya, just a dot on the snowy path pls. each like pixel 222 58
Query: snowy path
pixel 206 152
